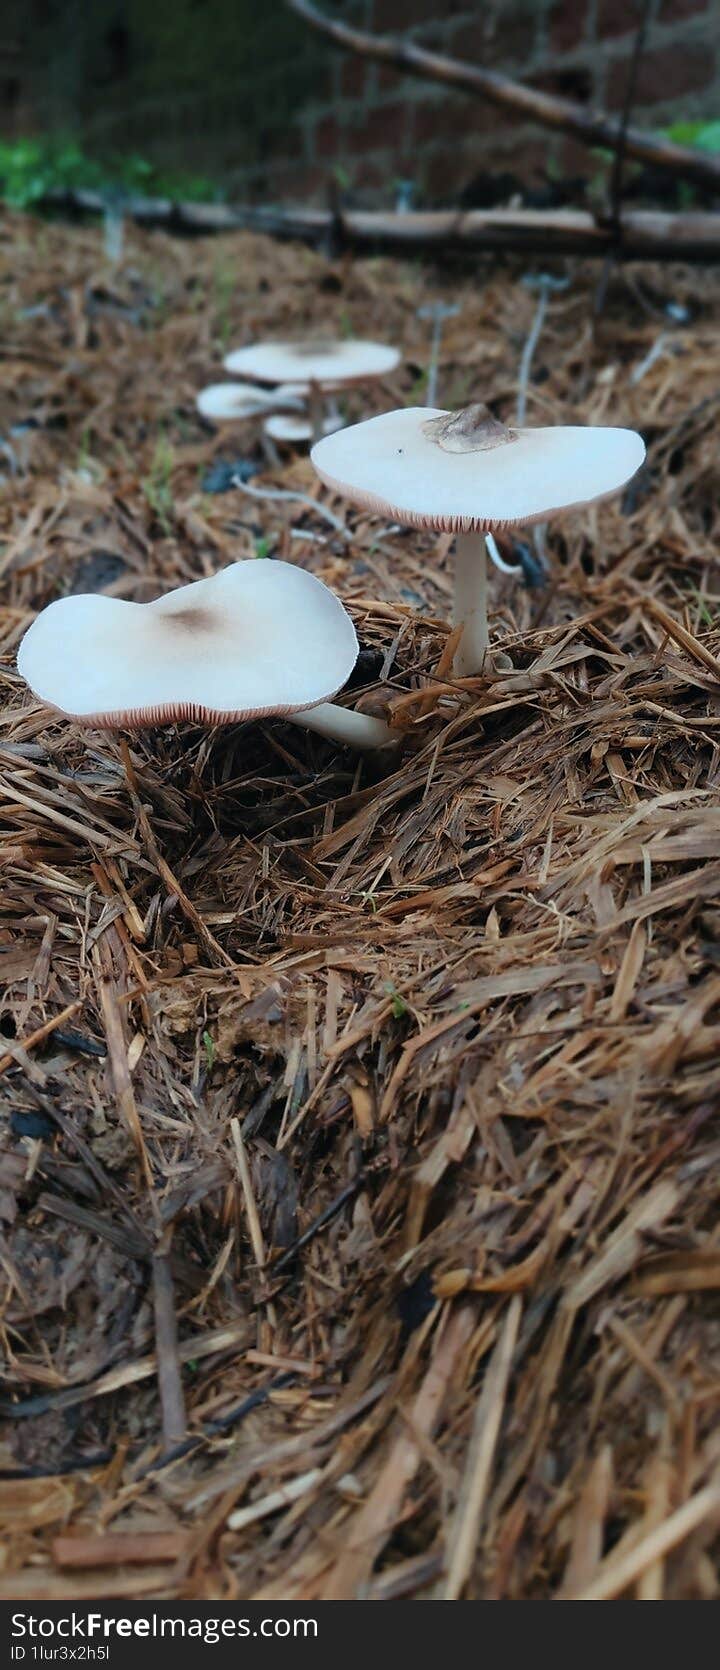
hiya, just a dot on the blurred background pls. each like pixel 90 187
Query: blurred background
pixel 229 98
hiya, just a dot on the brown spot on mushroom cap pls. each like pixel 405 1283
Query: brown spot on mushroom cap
pixel 257 638
pixel 329 363
pixel 314 345
pixel 193 620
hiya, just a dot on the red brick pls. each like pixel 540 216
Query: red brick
pixel 671 10
pixel 395 16
pixel 665 74
pixel 387 78
pixel 353 77
pixel 377 129
pixel 574 160
pixel 450 120
pixel 507 38
pixel 370 175
pixel 288 182
pixel 567 23
pixel 296 185
pixel 439 173
pixel 616 17
pixel 326 138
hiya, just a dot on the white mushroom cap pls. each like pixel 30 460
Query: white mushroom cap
pixel 295 430
pixel 326 362
pixel 463 471
pixel 259 638
pixel 229 402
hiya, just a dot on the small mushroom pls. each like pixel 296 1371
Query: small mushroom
pixel 466 473
pixel 231 402
pixel 260 638
pixel 323 365
pixel 288 430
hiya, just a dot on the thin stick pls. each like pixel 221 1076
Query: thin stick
pixel 40 1034
pixel 119 1548
pixel 282 494
pixel 659 1485
pixel 621 151
pixel 254 1227
pixel 174 1418
pixel 283 1497
pixel 486 1427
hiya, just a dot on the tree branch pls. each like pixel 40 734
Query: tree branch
pixel 642 234
pixel 591 127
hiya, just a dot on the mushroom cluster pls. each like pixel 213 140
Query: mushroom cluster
pixel 466 473
pixel 316 370
pixel 260 639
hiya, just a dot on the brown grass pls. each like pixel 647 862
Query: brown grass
pixel 358 1169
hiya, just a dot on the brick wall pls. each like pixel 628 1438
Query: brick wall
pixel 243 90
pixel 377 126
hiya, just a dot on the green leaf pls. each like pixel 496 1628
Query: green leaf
pixel 399 1006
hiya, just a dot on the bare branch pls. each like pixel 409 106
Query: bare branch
pixel 643 234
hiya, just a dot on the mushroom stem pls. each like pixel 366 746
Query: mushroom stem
pixel 316 407
pixel 470 603
pixel 343 724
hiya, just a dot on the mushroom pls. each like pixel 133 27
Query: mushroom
pixel 466 473
pixel 258 639
pixel 322 364
pixel 230 402
pixel 292 431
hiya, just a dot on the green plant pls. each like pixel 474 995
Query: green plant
pixel 704 136
pixel 32 169
pixel 225 282
pixel 341 177
pixel 705 613
pixel 157 486
pixel 398 1004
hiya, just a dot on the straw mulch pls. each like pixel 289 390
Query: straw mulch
pixel 358 1166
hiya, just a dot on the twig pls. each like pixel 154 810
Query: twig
pixel 647 234
pixel 615 221
pixel 283 495
pixel 323 1218
pixel 172 1399
pixel 119 1548
pixel 283 1497
pixel 40 1033
pixel 256 1234
pixel 486 1428
pixel 622 142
